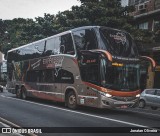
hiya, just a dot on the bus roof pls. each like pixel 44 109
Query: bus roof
pixel 62 33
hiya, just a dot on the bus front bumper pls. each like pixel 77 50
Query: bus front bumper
pixel 112 103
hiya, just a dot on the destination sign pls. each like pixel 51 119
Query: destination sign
pixel 117 64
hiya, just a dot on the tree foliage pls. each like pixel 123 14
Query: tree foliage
pixel 110 13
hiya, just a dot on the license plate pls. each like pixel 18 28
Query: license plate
pixel 124 106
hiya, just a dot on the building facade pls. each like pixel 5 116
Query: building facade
pixel 1 57
pixel 3 69
pixel 146 14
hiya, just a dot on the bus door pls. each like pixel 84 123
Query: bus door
pixel 150 79
pixel 157 77
pixel 90 75
pixel 146 75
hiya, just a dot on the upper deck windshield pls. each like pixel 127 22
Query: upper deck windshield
pixel 118 43
pixel 120 77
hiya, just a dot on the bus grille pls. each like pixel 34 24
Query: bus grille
pixel 125 99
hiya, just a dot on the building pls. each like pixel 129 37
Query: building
pixel 1 57
pixel 3 69
pixel 146 14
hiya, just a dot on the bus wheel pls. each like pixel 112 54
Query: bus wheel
pixel 24 95
pixel 142 104
pixel 18 93
pixel 71 100
pixel 154 108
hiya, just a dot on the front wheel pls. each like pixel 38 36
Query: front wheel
pixel 1 89
pixel 154 108
pixel 142 104
pixel 71 100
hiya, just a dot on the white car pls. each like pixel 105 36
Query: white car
pixel 150 97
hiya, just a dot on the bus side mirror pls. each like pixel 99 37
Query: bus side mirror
pixel 78 53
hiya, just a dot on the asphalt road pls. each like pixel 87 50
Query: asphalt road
pixel 38 113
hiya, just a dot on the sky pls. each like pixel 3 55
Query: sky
pixel 124 2
pixel 10 9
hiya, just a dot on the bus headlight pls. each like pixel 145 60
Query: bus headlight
pixel 108 95
pixel 105 94
pixel 138 95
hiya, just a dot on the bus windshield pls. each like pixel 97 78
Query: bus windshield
pixel 118 43
pixel 120 77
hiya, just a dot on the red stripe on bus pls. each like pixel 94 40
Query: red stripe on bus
pixel 45 96
pixel 75 60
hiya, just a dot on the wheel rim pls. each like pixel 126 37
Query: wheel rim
pixel 18 93
pixel 23 95
pixel 72 100
pixel 141 104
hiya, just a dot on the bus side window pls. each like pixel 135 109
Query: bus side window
pixel 57 42
pixel 85 39
pixel 50 46
pixel 32 76
pixel 49 76
pixel 90 40
pixel 40 46
pixel 66 46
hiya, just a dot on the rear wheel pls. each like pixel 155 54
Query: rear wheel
pixel 71 100
pixel 18 93
pixel 153 108
pixel 142 104
pixel 23 91
pixel 1 89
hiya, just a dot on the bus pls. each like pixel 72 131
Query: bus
pixel 93 66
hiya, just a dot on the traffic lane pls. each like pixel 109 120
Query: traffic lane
pixel 113 114
pixel 27 114
pixel 83 125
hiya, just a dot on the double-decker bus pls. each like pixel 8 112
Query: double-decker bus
pixel 91 66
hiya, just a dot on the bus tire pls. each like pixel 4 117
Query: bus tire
pixel 154 108
pixel 71 100
pixel 24 93
pixel 142 104
pixel 18 93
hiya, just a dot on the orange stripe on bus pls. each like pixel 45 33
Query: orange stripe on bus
pixel 152 60
pixel 117 93
pixel 107 54
pixel 112 92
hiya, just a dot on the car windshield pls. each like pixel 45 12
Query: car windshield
pixel 119 76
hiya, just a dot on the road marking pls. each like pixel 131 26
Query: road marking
pixel 86 114
pixel 142 112
pixel 2 96
pixel 6 126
